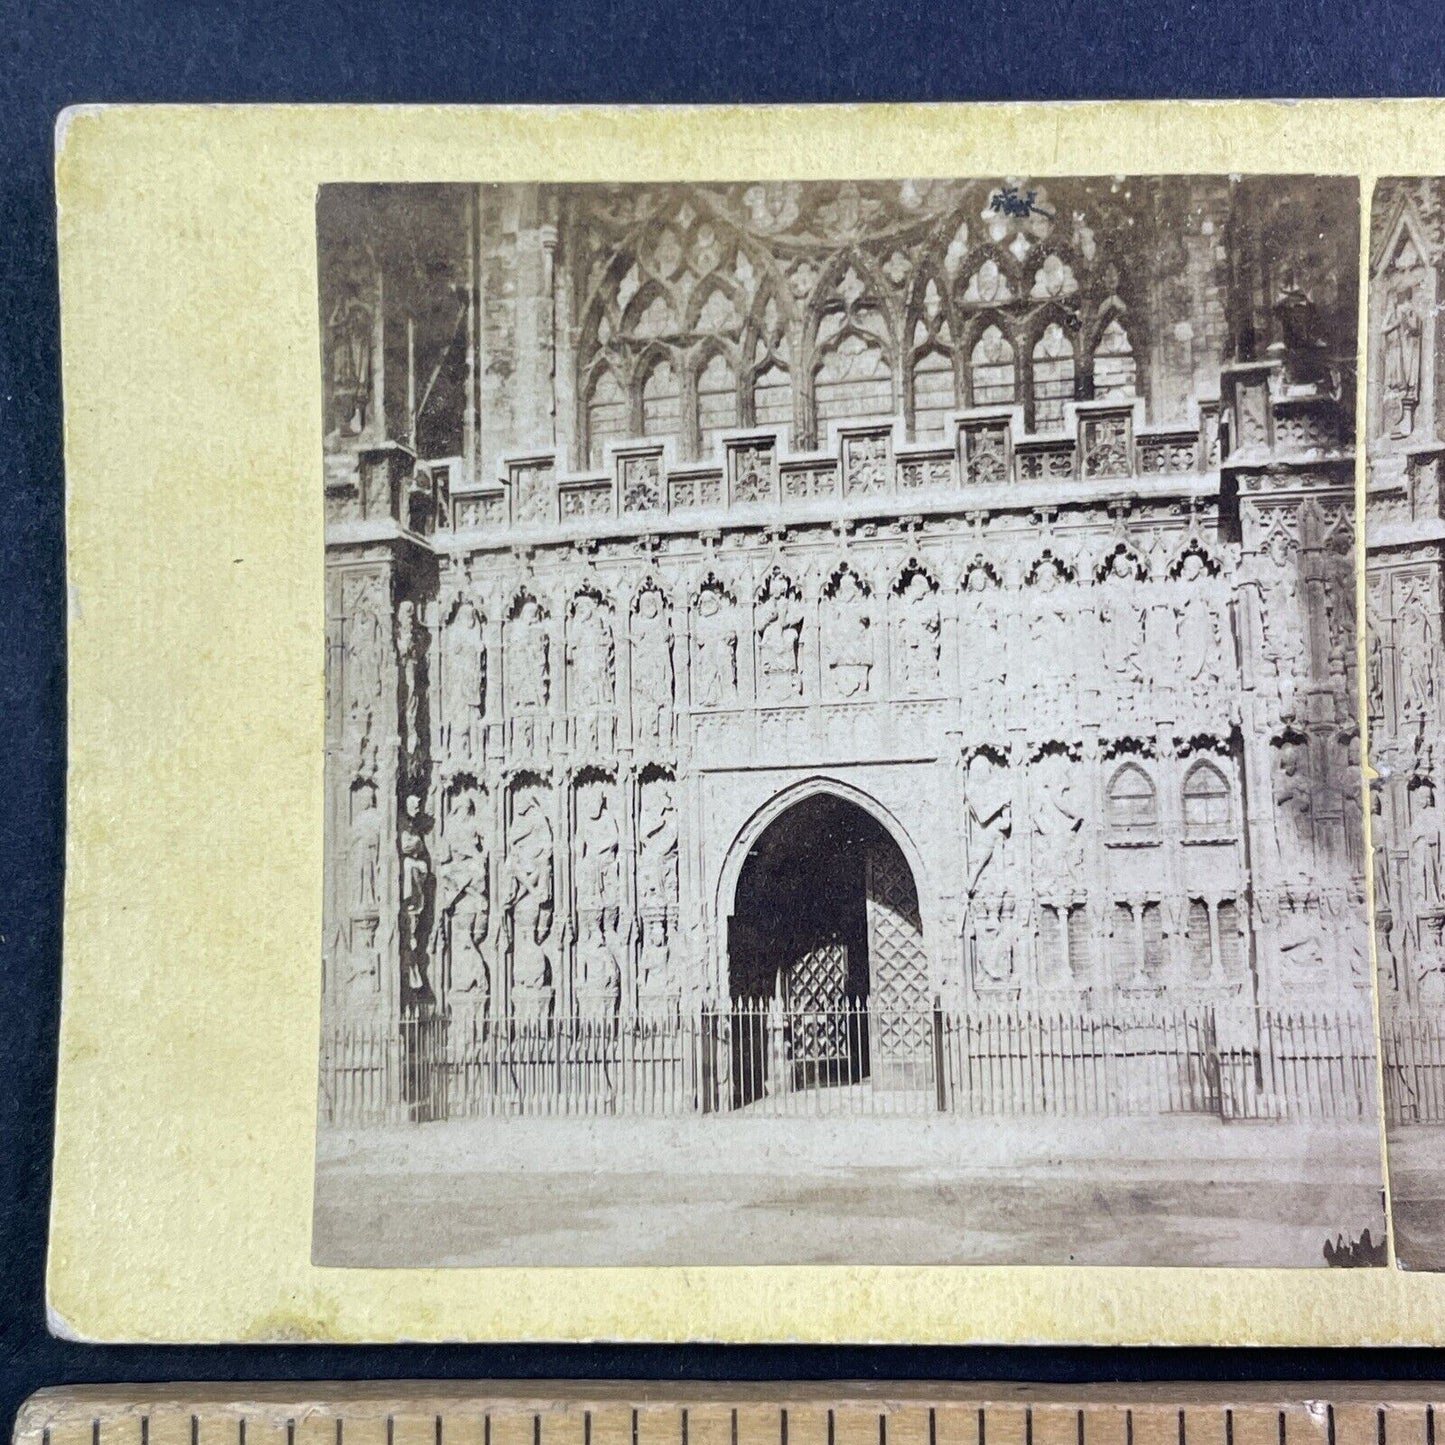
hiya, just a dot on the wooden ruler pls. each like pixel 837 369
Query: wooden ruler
pixel 509 1413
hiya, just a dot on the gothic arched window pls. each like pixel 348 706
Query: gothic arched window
pixel 934 398
pixel 717 401
pixel 660 401
pixel 992 370
pixel 1115 374
pixel 852 380
pixel 606 415
pixel 773 396
pixel 1206 801
pixel 1053 377
pixel 1133 804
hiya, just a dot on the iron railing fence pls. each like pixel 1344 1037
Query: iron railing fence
pixel 1412 1060
pixel 759 1059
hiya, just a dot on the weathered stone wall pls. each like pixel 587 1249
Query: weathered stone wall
pixel 1072 627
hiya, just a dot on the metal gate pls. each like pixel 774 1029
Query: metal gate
pixel 901 1037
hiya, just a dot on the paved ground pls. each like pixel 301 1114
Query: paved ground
pixel 1417 1191
pixel 1184 1191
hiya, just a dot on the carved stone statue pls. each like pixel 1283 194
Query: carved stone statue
pixel 657 875
pixel 654 968
pixel 779 628
pixel 990 822
pixel 1293 809
pixel 411 657
pixel 529 657
pixel 365 845
pixel 365 659
pixel 1052 665
pixel 919 627
pixel 848 639
pixel 1122 631
pixel 589 655
pixel 715 637
pixel 464 904
pixel 464 685
pixel 983 653
pixel 1425 842
pixel 416 878
pixel 598 849
pixel 599 976
pixel 1281 627
pixel 1198 630
pixel 652 677
pixel 1057 817
pixel 995 943
pixel 1416 644
pixel 1400 332
pixel 530 891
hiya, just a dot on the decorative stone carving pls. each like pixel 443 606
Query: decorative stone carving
pixel 653 684
pixel 1400 332
pixel 365 846
pixel 528 657
pixel 416 891
pixel 918 630
pixel 657 826
pixel 530 898
pixel 464 901
pixel 589 655
pixel 847 637
pixel 990 823
pixel 778 626
pixel 463 685
pixel 597 849
pixel 715 641
pixel 1057 820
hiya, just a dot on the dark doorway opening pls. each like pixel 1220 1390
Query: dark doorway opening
pixel 809 915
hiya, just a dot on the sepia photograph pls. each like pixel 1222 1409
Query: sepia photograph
pixel 1405 548
pixel 842 722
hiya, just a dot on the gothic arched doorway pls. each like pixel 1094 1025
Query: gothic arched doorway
pixel 826 959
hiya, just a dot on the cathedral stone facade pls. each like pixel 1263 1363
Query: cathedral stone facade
pixel 1406 558
pixel 938 594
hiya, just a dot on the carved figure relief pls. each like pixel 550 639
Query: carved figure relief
pixel 464 900
pixel 990 824
pixel 464 685
pixel 597 849
pixel 411 643
pixel 1052 671
pixel 1281 630
pixel 1293 806
pixel 715 641
pixel 589 655
pixel 1400 332
pixel 1199 631
pixel 778 625
pixel 528 658
pixel 657 872
pixel 1416 644
pixel 416 881
pixel 366 642
pixel 1057 819
pixel 529 896
pixel 1121 625
pixel 365 845
pixel 1425 841
pixel 652 673
pixel 847 636
pixel 919 627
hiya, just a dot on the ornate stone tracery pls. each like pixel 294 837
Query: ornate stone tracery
pixel 867 487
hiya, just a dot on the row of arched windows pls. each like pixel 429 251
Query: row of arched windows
pixel 1132 802
pixel 852 378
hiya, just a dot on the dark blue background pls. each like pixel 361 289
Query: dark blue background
pixel 565 50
